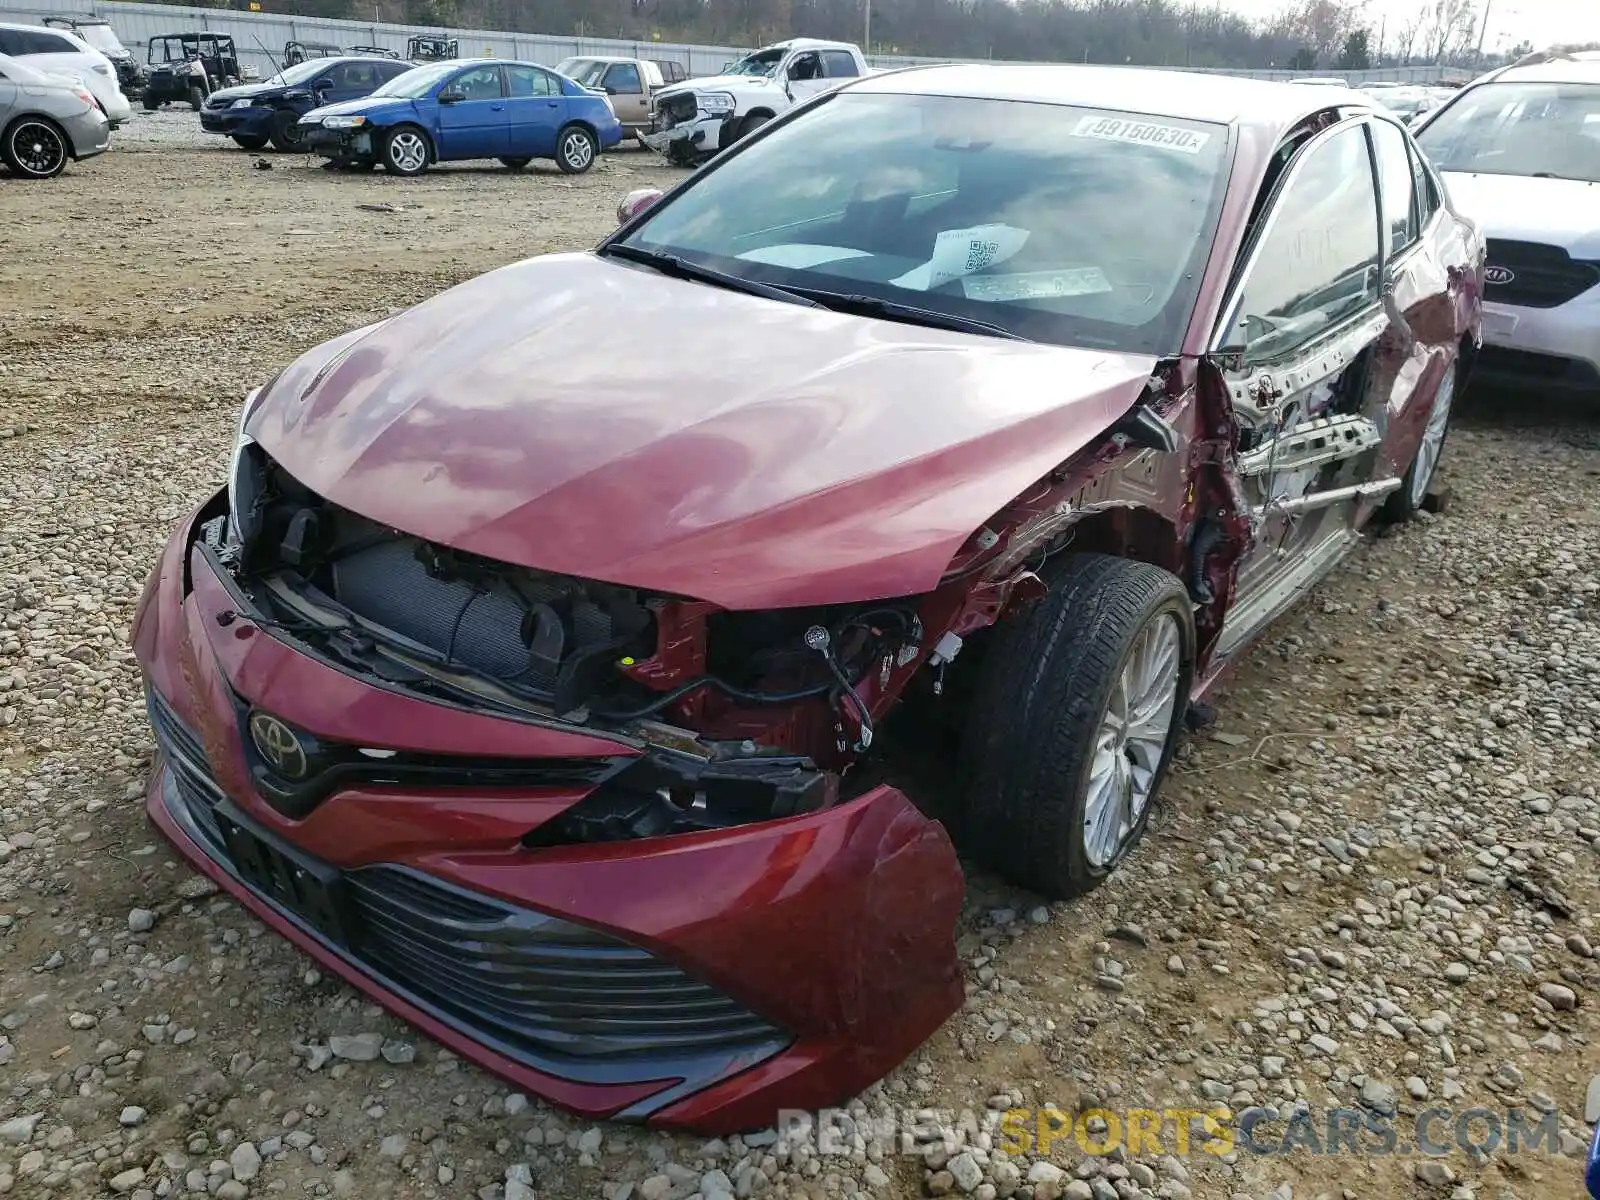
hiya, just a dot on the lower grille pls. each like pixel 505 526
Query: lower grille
pixel 557 996
pixel 1532 275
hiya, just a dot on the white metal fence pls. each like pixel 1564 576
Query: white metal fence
pixel 260 38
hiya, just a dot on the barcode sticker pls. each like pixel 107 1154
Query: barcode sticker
pixel 1142 133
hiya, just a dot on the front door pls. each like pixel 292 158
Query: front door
pixel 1304 365
pixel 474 125
pixel 803 75
pixel 537 111
pixel 628 95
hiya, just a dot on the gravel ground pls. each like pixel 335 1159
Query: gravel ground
pixel 1372 884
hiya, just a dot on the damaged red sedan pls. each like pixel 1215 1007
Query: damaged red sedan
pixel 534 670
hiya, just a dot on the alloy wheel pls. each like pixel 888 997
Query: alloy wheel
pixel 407 151
pixel 38 149
pixel 1132 740
pixel 1432 444
pixel 576 150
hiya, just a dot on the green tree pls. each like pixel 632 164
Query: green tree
pixel 1357 52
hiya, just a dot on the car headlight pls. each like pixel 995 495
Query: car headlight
pixel 716 102
pixel 343 122
pixel 242 104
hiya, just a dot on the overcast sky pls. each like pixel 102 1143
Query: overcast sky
pixel 1510 21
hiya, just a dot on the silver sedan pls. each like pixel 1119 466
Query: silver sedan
pixel 45 120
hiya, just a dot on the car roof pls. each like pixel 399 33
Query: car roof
pixel 1221 99
pixel 1557 69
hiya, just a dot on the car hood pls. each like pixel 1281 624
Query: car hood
pixel 367 106
pixel 1556 212
pixel 246 91
pixel 584 416
pixel 721 83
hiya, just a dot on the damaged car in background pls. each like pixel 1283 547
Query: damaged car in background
pixel 551 693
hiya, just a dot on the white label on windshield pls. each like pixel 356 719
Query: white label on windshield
pixel 959 252
pixel 800 255
pixel 1037 285
pixel 1142 133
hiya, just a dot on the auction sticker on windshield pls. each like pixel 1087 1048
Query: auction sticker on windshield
pixel 1037 285
pixel 1142 133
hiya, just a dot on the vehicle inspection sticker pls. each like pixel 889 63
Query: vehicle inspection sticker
pixel 959 252
pixel 1142 133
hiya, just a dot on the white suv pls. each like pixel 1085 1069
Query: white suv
pixel 57 52
pixel 1520 153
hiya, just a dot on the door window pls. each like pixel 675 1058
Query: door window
pixel 623 78
pixel 355 76
pixel 530 81
pixel 839 64
pixel 480 83
pixel 1394 185
pixel 10 42
pixel 1318 262
pixel 46 43
pixel 1427 193
pixel 805 66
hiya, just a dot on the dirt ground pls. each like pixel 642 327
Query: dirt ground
pixel 1373 885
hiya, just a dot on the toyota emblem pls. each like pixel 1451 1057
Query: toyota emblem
pixel 278 745
pixel 1498 275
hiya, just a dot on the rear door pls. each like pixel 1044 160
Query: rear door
pixel 538 110
pixel 629 98
pixel 475 125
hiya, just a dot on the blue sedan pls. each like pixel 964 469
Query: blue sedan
pixel 450 111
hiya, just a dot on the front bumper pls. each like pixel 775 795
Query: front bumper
pixel 336 143
pixel 1555 348
pixel 702 981
pixel 237 122
pixel 703 135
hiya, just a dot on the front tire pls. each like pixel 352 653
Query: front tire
pixel 150 103
pixel 752 123
pixel 197 98
pixel 1406 503
pixel 285 135
pixel 249 141
pixel 576 150
pixel 35 148
pixel 1073 723
pixel 406 151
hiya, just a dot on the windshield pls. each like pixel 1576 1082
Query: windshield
pixel 101 37
pixel 762 62
pixel 1520 129
pixel 1069 225
pixel 416 81
pixel 587 71
pixel 172 49
pixel 297 74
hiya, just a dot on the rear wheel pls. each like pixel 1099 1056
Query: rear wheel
pixel 1076 713
pixel 151 103
pixel 516 164
pixel 405 151
pixel 576 149
pixel 35 148
pixel 285 133
pixel 249 141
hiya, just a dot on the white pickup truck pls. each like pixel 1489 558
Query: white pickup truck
pixel 692 120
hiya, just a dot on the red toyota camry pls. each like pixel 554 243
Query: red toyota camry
pixel 530 671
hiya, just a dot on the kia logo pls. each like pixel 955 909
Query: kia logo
pixel 278 745
pixel 1498 274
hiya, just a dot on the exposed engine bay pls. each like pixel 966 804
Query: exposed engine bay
pixel 759 700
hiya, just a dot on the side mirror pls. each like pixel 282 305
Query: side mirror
pixel 610 91
pixel 323 85
pixel 635 202
pixel 297 94
pixel 451 97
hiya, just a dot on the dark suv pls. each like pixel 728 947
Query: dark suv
pixel 257 113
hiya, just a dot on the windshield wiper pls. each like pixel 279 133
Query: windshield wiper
pixel 672 264
pixel 910 314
